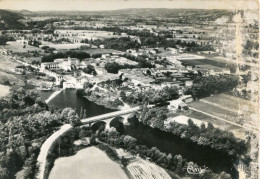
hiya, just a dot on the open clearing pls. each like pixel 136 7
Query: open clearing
pixel 18 47
pixel 213 64
pixel 8 74
pixel 12 78
pixel 146 170
pixel 7 61
pixel 4 90
pixel 100 51
pixel 228 107
pixel 87 163
pixel 142 169
pixel 237 131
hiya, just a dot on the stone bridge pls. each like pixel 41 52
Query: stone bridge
pixel 107 118
pixel 88 121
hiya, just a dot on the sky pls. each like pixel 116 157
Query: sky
pixel 97 5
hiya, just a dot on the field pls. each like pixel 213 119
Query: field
pixel 4 90
pixel 87 163
pixel 12 78
pixel 18 47
pixel 229 108
pixel 100 51
pixel 68 46
pixel 8 74
pixel 207 63
pixel 231 103
pixel 220 61
pixel 139 168
pixel 145 170
pixel 6 61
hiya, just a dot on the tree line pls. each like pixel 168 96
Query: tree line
pixel 73 54
pixel 174 163
pixel 151 96
pixel 26 121
pixel 202 135
pixel 204 86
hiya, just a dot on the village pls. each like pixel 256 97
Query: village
pixel 183 66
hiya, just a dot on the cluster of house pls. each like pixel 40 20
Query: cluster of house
pixel 118 59
pixel 152 51
pixel 145 78
pixel 70 24
pixel 139 78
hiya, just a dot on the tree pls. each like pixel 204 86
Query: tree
pixel 93 139
pixel 122 95
pixel 224 175
pixel 112 67
pixel 142 63
pixel 81 113
pixel 3 40
pixel 129 141
pixel 7 82
pixel 90 70
pixel 45 47
pixel 84 114
pixel 124 161
pixel 179 163
pixel 28 100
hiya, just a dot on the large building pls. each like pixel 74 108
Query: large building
pixel 66 64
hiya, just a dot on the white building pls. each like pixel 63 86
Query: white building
pixel 64 64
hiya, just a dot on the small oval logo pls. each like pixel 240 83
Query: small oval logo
pixel 194 169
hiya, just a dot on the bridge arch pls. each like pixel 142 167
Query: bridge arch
pixel 96 125
pixel 133 118
pixel 118 123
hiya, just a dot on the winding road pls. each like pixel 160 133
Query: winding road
pixel 46 146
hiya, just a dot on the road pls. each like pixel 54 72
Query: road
pixel 46 147
pixel 109 115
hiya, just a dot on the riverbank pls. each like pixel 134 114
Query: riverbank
pixel 124 164
pixel 53 95
pixel 102 102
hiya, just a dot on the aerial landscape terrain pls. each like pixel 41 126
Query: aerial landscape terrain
pixel 136 93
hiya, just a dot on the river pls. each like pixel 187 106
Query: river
pixel 165 142
pixel 68 98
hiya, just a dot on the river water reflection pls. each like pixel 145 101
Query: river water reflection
pixel 68 98
pixel 169 143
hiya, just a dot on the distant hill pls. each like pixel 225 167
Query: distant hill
pixel 25 12
pixel 9 20
pixel 136 11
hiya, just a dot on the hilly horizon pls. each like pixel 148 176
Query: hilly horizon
pixel 9 20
